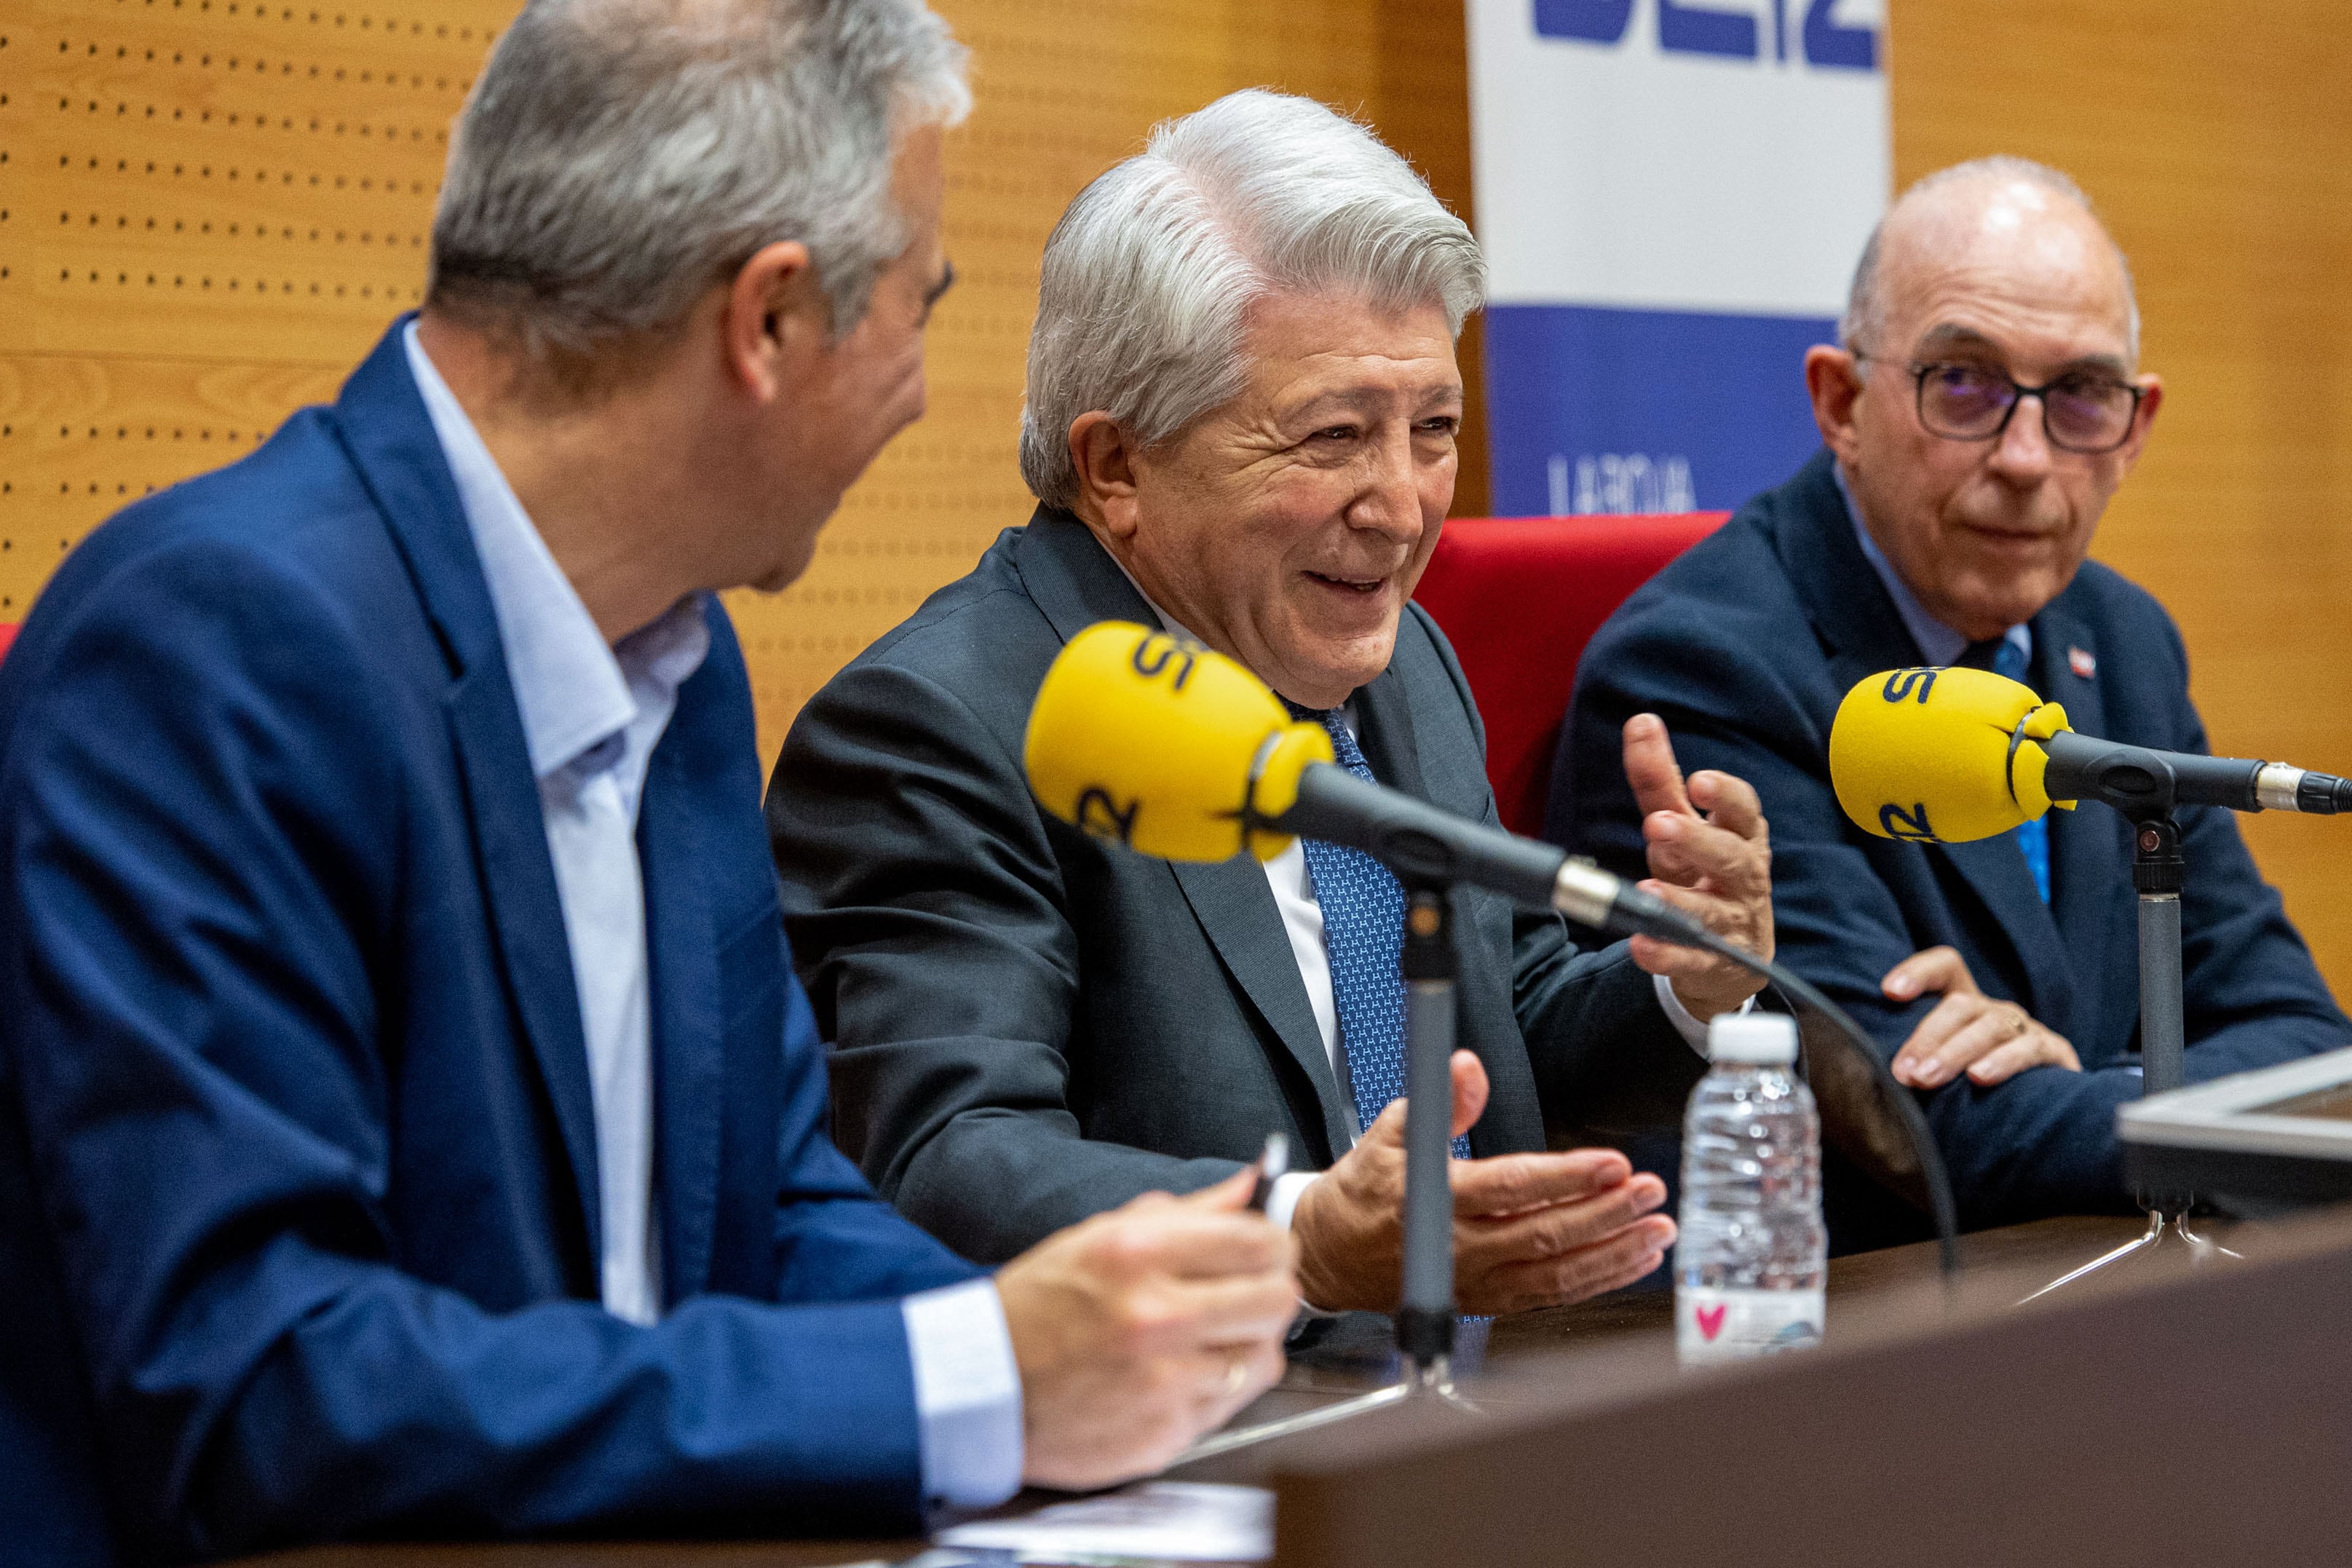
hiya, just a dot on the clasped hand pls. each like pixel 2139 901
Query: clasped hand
pixel 1990 1039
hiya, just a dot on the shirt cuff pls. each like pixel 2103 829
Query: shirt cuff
pixel 1692 1029
pixel 1283 1201
pixel 1280 1205
pixel 967 1394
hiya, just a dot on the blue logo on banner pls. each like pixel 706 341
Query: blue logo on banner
pixel 1596 409
pixel 1685 29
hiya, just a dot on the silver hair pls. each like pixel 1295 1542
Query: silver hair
pixel 1149 276
pixel 1866 307
pixel 620 157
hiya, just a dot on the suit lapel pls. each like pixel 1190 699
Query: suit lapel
pixel 1236 911
pixel 1854 613
pixel 1384 729
pixel 382 421
pixel 1996 871
pixel 1075 585
pixel 682 950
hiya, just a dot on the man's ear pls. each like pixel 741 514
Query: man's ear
pixel 776 316
pixel 1105 459
pixel 2151 398
pixel 1833 381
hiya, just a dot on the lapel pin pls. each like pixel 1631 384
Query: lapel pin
pixel 2079 662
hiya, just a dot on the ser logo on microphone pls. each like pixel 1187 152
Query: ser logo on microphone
pixel 1911 826
pixel 1900 684
pixel 1100 814
pixel 1159 651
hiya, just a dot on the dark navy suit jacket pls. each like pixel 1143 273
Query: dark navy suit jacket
pixel 1747 645
pixel 297 1174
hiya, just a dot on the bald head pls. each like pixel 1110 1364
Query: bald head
pixel 1987 400
pixel 1993 217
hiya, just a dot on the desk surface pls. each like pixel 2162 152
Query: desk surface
pixel 1523 1359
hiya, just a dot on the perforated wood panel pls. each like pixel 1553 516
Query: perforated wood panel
pixel 2218 142
pixel 208 211
pixel 210 208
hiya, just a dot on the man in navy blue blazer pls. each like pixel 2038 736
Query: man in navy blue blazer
pixel 1984 407
pixel 409 1121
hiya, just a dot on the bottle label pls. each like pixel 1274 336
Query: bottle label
pixel 1719 1325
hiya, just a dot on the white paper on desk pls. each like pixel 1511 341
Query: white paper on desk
pixel 1170 1522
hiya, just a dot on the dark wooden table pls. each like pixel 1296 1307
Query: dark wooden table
pixel 1526 1362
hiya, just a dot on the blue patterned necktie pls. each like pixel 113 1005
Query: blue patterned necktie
pixel 2032 838
pixel 1363 932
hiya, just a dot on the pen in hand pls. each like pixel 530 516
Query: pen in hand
pixel 1273 1163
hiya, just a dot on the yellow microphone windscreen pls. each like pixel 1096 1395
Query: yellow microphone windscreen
pixel 1165 747
pixel 1941 755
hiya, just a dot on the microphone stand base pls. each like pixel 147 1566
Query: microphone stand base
pixel 1430 1380
pixel 2160 1223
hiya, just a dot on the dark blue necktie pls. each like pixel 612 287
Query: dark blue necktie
pixel 1363 932
pixel 2032 838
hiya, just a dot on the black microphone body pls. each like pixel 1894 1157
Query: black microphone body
pixel 2141 783
pixel 1423 844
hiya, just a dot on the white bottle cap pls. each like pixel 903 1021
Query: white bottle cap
pixel 1766 1037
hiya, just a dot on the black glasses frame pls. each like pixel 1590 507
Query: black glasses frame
pixel 2019 392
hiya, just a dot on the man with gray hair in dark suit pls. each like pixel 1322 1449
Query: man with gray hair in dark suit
pixel 1242 401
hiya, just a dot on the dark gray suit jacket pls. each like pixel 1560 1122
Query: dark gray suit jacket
pixel 1030 1026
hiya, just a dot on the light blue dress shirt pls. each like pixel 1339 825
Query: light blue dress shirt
pixel 592 716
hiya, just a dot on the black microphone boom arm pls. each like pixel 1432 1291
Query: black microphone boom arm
pixel 1430 848
pixel 1416 840
pixel 2145 785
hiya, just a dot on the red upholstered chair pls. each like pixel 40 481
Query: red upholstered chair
pixel 1520 597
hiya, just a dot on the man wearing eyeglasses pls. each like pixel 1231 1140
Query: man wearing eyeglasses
pixel 1984 406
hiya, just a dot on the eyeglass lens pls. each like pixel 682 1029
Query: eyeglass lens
pixel 2081 413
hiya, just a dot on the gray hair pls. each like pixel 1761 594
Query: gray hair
pixel 1865 306
pixel 620 157
pixel 1149 276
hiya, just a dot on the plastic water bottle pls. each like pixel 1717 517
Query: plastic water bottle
pixel 1753 1255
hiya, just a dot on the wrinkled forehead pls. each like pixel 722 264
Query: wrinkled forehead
pixel 2021 266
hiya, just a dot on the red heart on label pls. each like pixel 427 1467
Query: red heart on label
pixel 1710 1320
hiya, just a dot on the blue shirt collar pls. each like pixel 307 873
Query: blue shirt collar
pixel 1938 644
pixel 576 695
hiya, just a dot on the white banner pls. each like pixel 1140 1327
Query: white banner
pixel 1672 197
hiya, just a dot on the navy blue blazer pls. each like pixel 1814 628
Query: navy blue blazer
pixel 298 1176
pixel 1747 645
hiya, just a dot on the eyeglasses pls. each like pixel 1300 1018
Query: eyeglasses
pixel 2082 412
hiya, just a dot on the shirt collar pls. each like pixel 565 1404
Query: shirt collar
pixel 1938 644
pixel 573 691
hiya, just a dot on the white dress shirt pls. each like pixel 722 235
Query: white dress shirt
pixel 592 716
pixel 1302 921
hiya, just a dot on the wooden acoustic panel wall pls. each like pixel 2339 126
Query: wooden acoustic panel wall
pixel 209 209
pixel 2217 142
